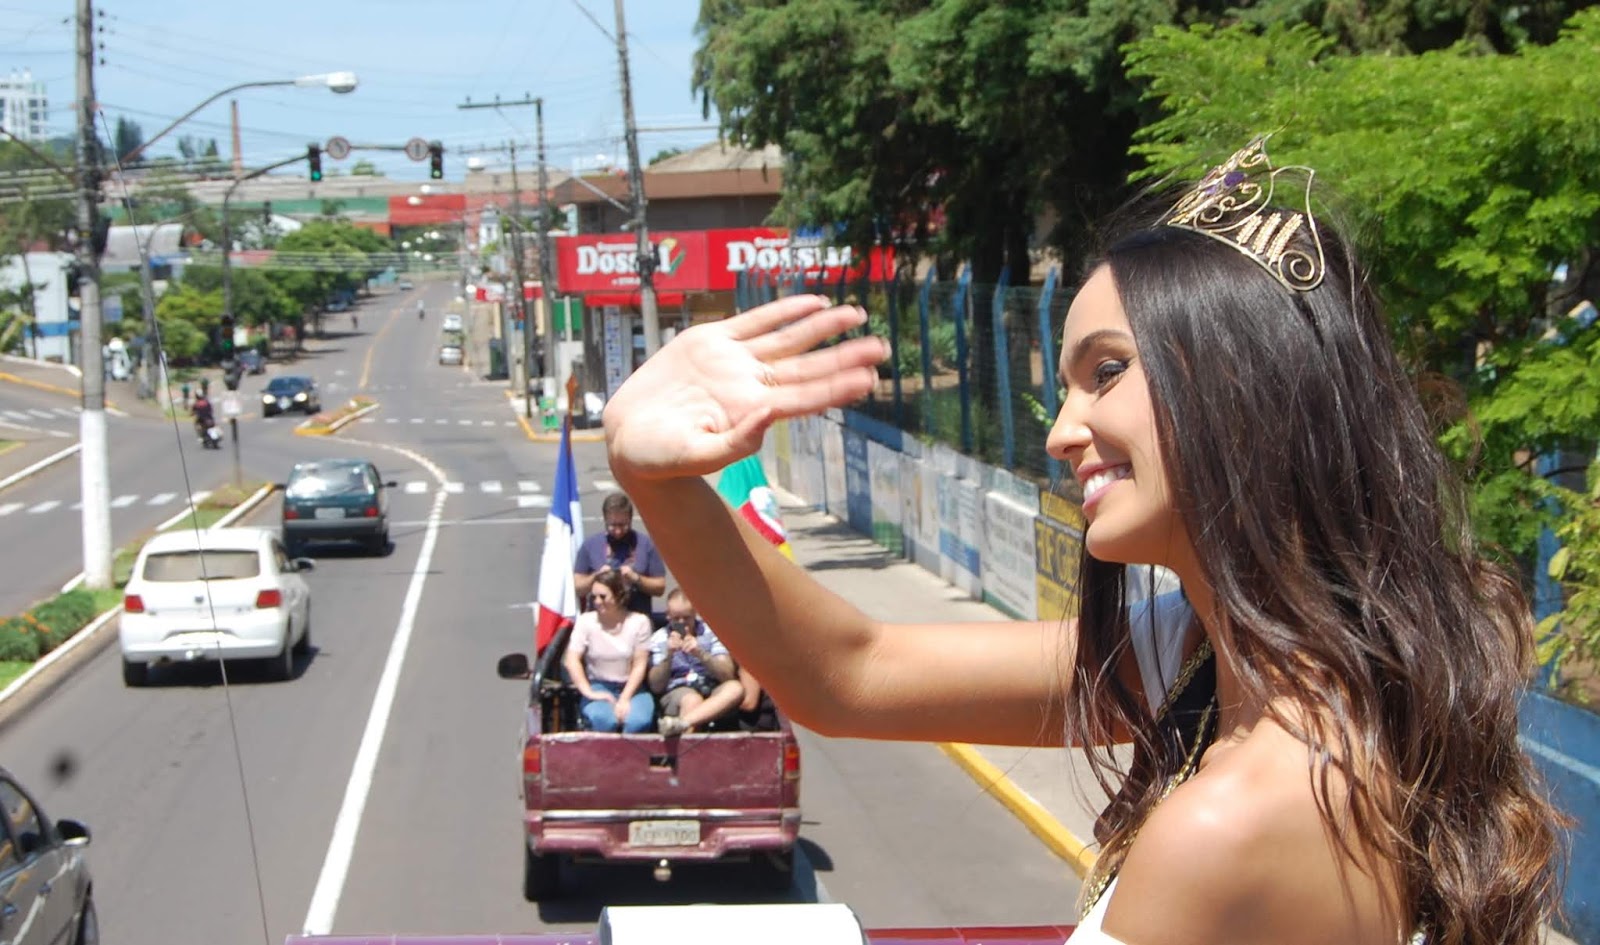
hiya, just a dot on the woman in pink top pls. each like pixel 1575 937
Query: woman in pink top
pixel 607 658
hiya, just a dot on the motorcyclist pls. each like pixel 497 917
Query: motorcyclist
pixel 422 309
pixel 204 417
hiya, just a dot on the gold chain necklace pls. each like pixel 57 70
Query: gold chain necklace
pixel 1101 879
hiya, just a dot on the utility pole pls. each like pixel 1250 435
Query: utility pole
pixel 547 282
pixel 515 232
pixel 647 256
pixel 94 460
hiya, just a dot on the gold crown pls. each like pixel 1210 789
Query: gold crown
pixel 1233 204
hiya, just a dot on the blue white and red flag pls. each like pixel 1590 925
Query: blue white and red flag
pixel 563 534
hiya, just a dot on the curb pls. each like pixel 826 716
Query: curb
pixel 56 666
pixel 111 405
pixel 40 466
pixel 306 429
pixel 48 365
pixel 578 436
pixel 1033 816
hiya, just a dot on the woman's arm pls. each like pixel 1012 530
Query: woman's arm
pixel 636 670
pixel 572 659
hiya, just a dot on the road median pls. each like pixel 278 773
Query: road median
pixel 331 422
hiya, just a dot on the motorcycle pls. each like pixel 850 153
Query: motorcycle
pixel 210 436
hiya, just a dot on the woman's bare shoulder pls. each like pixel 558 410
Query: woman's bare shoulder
pixel 1239 854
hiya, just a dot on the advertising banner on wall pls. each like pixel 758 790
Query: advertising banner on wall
pixel 884 464
pixel 832 435
pixel 1008 557
pixel 708 260
pixel 857 482
pixel 1058 545
pixel 618 357
pixel 610 262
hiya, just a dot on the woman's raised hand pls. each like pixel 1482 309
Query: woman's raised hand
pixel 707 398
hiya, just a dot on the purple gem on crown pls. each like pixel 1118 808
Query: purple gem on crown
pixel 1233 178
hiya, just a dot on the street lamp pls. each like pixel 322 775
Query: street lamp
pixel 338 82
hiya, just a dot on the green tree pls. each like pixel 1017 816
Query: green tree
pixel 128 136
pixel 365 168
pixel 186 317
pixel 257 297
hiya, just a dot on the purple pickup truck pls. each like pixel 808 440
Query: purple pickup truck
pixel 596 797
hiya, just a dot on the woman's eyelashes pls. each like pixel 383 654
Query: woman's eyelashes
pixel 1107 372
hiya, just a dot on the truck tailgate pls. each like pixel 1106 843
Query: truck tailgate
pixel 590 771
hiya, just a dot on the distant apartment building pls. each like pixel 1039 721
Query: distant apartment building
pixel 24 108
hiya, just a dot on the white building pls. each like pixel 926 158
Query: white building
pixel 55 337
pixel 24 108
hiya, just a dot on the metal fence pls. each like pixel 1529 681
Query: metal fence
pixel 973 365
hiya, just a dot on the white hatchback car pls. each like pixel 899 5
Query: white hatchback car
pixel 223 593
pixel 452 322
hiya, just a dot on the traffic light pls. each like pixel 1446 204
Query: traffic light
pixel 314 157
pixel 436 161
pixel 225 337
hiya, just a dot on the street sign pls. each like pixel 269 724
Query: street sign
pixel 230 406
pixel 337 148
pixel 417 149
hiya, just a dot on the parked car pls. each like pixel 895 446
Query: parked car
pixel 452 321
pixel 450 354
pixel 336 500
pixel 220 593
pixel 252 362
pixel 338 305
pixel 603 797
pixel 290 392
pixel 404 285
pixel 46 896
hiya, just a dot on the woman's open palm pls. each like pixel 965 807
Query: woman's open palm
pixel 707 398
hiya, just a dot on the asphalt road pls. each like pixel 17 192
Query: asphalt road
pixel 237 813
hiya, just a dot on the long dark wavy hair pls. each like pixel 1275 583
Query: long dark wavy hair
pixel 1336 540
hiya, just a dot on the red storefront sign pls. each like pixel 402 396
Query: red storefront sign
pixel 706 260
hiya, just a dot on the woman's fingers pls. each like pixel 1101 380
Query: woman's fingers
pixel 774 315
pixel 803 335
pixel 857 352
pixel 834 390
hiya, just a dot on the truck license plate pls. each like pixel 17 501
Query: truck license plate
pixel 663 833
pixel 330 513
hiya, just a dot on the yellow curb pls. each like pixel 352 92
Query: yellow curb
pixel 309 429
pixel 52 388
pixel 1033 816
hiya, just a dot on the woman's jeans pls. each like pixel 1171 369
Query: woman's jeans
pixel 600 716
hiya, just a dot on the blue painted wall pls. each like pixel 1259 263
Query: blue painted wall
pixel 1564 742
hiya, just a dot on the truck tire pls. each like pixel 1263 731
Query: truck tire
pixel 541 876
pixel 774 870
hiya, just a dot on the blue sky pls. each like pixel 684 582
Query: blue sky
pixel 417 60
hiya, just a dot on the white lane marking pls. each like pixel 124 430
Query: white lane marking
pixel 487 423
pixel 455 488
pixel 527 485
pixel 76 506
pixel 465 423
pixel 53 457
pixel 605 485
pixel 417 420
pixel 441 421
pixel 416 488
pixel 123 501
pixel 510 423
pixel 162 499
pixel 492 487
pixel 44 506
pixel 10 507
pixel 342 845
pixel 391 420
pixel 533 502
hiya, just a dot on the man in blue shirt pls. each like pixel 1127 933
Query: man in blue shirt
pixel 620 548
pixel 691 673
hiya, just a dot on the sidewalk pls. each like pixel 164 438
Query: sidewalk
pixel 1049 789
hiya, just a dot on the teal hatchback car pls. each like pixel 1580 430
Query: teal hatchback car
pixel 336 500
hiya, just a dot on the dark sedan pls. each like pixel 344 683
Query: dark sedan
pixel 287 392
pixel 46 896
pixel 336 500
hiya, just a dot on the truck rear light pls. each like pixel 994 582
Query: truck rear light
pixel 132 604
pixel 268 599
pixel 791 760
pixel 532 760
pixel 370 511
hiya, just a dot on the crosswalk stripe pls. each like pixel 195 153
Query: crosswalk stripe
pixel 416 488
pixel 41 413
pixel 466 423
pixel 455 488
pixel 492 486
pixel 527 485
pixel 10 507
pixel 17 415
pixel 391 420
pixel 76 506
pixel 533 502
pixel 67 411
pixel 441 421
pixel 605 485
pixel 162 499
pixel 123 501
pixel 44 506
pixel 417 420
